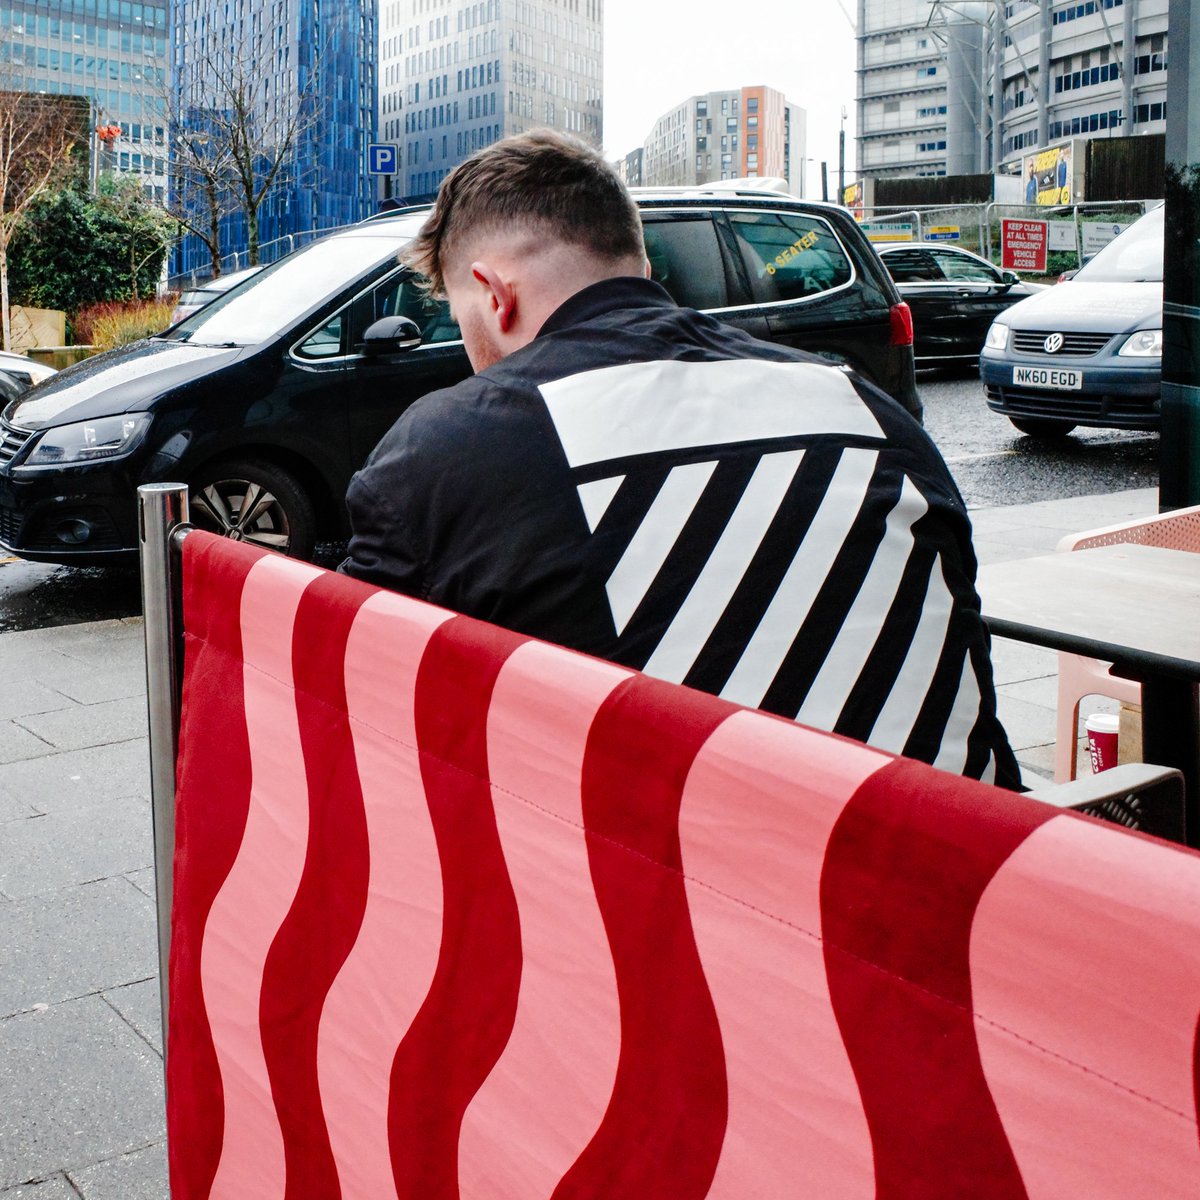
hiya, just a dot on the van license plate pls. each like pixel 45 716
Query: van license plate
pixel 1049 377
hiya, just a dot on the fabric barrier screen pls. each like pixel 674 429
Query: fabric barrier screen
pixel 461 914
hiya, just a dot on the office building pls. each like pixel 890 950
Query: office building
pixel 456 76
pixel 305 63
pixel 968 86
pixel 754 131
pixel 903 92
pixel 1092 68
pixel 112 52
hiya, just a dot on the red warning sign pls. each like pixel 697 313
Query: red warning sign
pixel 1023 245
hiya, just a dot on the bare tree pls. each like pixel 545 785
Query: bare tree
pixel 37 136
pixel 234 131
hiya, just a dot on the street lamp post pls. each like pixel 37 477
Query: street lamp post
pixel 841 196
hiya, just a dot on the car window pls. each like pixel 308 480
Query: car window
pixel 686 259
pixel 789 255
pixel 405 296
pixel 913 265
pixel 400 295
pixel 963 268
pixel 326 342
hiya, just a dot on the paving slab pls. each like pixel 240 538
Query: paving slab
pixel 72 845
pixel 141 1175
pixel 17 743
pixel 30 698
pixel 57 1187
pixel 1013 661
pixel 89 724
pixel 140 1006
pixel 81 1088
pixel 75 942
pixel 66 778
pixel 14 809
pixel 92 685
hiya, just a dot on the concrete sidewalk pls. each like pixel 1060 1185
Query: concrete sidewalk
pixel 80 1063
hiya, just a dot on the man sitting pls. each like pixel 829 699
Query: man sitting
pixel 644 483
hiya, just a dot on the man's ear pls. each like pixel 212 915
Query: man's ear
pixel 503 294
pixel 647 269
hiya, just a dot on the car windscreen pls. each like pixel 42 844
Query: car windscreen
pixel 285 291
pixel 1136 256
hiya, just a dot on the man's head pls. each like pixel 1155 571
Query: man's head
pixel 519 228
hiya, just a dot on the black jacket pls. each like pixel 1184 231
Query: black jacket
pixel 650 486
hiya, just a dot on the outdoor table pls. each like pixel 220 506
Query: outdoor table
pixel 1137 607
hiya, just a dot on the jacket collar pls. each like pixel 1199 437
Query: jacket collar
pixel 622 292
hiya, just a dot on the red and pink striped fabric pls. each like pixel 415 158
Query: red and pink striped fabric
pixel 459 914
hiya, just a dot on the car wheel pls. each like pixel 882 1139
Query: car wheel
pixel 1036 427
pixel 257 502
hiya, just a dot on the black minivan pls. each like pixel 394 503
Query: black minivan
pixel 267 400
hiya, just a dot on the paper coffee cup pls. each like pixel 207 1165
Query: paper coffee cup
pixel 1102 740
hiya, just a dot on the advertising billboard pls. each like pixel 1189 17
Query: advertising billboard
pixel 1047 175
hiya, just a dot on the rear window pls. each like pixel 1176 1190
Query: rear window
pixel 789 256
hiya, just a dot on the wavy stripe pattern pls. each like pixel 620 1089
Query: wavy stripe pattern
pixel 262 883
pixel 460 916
pixel 1073 1012
pixel 387 974
pixel 517 1139
pixel 801 783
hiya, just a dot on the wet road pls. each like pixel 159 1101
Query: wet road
pixel 993 464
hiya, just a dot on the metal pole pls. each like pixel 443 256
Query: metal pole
pixel 162 522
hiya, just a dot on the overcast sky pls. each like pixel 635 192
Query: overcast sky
pixel 659 52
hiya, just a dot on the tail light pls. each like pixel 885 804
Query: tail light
pixel 901 321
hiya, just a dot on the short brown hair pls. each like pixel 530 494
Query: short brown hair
pixel 541 179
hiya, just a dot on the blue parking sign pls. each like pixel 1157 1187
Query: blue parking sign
pixel 381 159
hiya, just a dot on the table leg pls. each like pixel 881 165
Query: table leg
pixel 1171 738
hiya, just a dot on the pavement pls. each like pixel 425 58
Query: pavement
pixel 81 1097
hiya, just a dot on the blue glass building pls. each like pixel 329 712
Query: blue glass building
pixel 319 54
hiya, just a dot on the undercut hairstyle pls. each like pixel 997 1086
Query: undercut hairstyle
pixel 544 182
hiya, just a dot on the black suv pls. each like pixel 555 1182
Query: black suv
pixel 267 400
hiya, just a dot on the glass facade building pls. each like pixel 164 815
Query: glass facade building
pixel 317 54
pixel 457 75
pixel 114 52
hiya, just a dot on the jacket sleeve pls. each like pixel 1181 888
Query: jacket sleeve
pixel 381 547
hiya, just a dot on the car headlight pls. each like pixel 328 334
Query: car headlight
pixel 997 337
pixel 88 441
pixel 1146 343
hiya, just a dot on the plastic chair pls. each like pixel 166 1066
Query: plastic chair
pixel 1078 676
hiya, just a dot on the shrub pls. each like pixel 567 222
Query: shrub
pixel 117 324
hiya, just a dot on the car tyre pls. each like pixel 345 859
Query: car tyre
pixel 254 501
pixel 1045 428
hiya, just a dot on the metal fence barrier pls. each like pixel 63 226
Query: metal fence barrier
pixel 978 225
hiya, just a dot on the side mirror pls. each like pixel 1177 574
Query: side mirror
pixel 1010 277
pixel 390 335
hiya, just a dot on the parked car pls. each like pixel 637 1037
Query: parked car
pixel 22 371
pixel 954 296
pixel 194 299
pixel 1087 354
pixel 269 398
